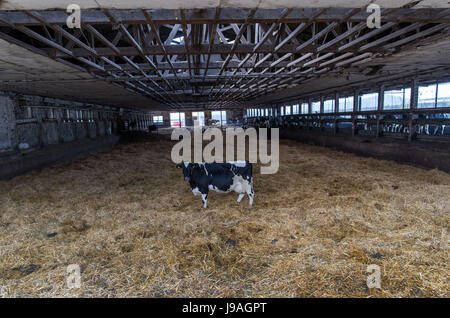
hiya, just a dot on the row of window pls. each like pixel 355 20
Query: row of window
pixel 429 96
pixel 179 119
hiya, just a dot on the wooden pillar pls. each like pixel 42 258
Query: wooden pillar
pixel 308 123
pixel 379 110
pixel 412 107
pixel 355 109
pixel 40 113
pixel 336 111
pixel 322 107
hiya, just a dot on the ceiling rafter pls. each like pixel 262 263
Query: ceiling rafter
pixel 140 50
pixel 218 57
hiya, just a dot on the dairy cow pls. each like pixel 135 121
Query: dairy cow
pixel 221 177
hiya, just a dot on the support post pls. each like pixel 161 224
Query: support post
pixel 336 111
pixel 379 110
pixel 355 109
pixel 412 107
pixel 321 113
pixel 309 113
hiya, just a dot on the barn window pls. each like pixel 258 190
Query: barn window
pixel 328 106
pixel 158 120
pixel 427 96
pixel 443 95
pixel 315 107
pixel 67 114
pixel 29 113
pixel 346 104
pixel 397 99
pixel 198 118
pixel 220 116
pixel 295 109
pixel 282 111
pixel 287 110
pixel 305 108
pixel 368 101
pixel 177 120
pixel 50 113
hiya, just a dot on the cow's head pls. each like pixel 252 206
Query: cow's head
pixel 187 168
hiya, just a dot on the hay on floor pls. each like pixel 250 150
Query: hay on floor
pixel 132 224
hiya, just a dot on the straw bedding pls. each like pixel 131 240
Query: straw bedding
pixel 131 223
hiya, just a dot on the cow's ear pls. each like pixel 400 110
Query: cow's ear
pixel 178 165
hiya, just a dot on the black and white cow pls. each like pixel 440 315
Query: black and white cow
pixel 221 177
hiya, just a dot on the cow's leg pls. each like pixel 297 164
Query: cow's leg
pixel 250 194
pixel 205 200
pixel 241 195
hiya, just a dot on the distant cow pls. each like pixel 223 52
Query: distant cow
pixel 221 177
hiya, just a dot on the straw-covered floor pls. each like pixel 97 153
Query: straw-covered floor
pixel 134 227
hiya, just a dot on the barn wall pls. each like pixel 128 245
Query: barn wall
pixel 30 124
pixel 6 124
pixel 428 154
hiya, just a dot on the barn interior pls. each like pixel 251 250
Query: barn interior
pixel 362 106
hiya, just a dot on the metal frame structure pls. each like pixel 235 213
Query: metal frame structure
pixel 217 58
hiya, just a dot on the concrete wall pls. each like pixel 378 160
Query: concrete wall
pixel 36 160
pixel 434 155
